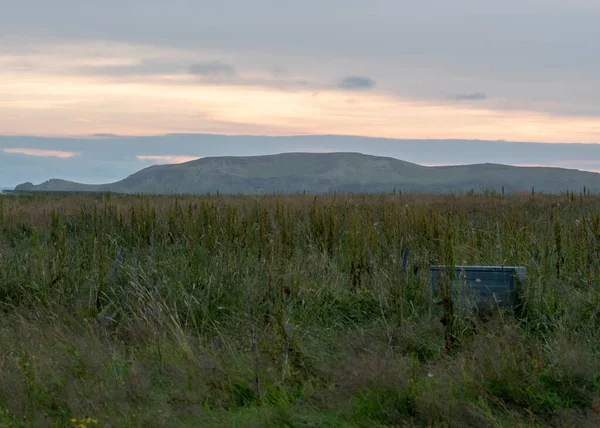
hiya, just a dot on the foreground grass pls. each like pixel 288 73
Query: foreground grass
pixel 293 311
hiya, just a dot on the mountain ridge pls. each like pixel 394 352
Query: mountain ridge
pixel 109 159
pixel 325 172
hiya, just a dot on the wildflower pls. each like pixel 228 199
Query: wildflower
pixel 73 420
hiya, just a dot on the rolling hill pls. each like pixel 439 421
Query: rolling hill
pixel 325 172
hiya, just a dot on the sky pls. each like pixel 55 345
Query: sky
pixel 516 70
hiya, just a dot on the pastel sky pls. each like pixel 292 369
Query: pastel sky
pixel 524 70
pixel 516 70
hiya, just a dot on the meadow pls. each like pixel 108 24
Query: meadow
pixel 294 310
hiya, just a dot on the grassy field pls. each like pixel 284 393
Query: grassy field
pixel 121 311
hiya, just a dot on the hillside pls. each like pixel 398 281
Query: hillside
pixel 56 185
pixel 324 172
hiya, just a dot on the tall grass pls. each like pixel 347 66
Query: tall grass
pixel 294 310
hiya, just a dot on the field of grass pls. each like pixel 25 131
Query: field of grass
pixel 121 311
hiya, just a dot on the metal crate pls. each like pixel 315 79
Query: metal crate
pixel 482 285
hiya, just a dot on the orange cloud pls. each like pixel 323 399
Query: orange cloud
pixel 54 100
pixel 41 152
pixel 168 159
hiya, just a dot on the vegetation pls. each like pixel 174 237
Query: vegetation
pixel 328 172
pixel 294 311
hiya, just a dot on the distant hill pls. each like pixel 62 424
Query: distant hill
pixel 56 185
pixel 325 172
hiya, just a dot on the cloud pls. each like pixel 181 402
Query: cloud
pixel 278 71
pixel 143 67
pixel 357 82
pixel 41 152
pixel 103 135
pixel 212 69
pixel 475 96
pixel 167 158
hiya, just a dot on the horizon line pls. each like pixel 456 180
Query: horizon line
pixel 109 136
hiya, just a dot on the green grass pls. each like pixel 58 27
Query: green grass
pixel 293 311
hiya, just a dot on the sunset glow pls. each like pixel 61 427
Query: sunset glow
pixel 95 91
pixel 53 96
pixel 168 159
pixel 41 152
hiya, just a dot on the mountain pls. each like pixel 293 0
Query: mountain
pixel 105 159
pixel 56 185
pixel 324 172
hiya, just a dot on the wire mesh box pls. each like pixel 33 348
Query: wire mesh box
pixel 480 285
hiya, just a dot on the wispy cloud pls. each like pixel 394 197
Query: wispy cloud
pixel 167 159
pixel 475 96
pixel 357 82
pixel 56 99
pixel 41 152
pixel 142 67
pixel 212 69
pixel 278 71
